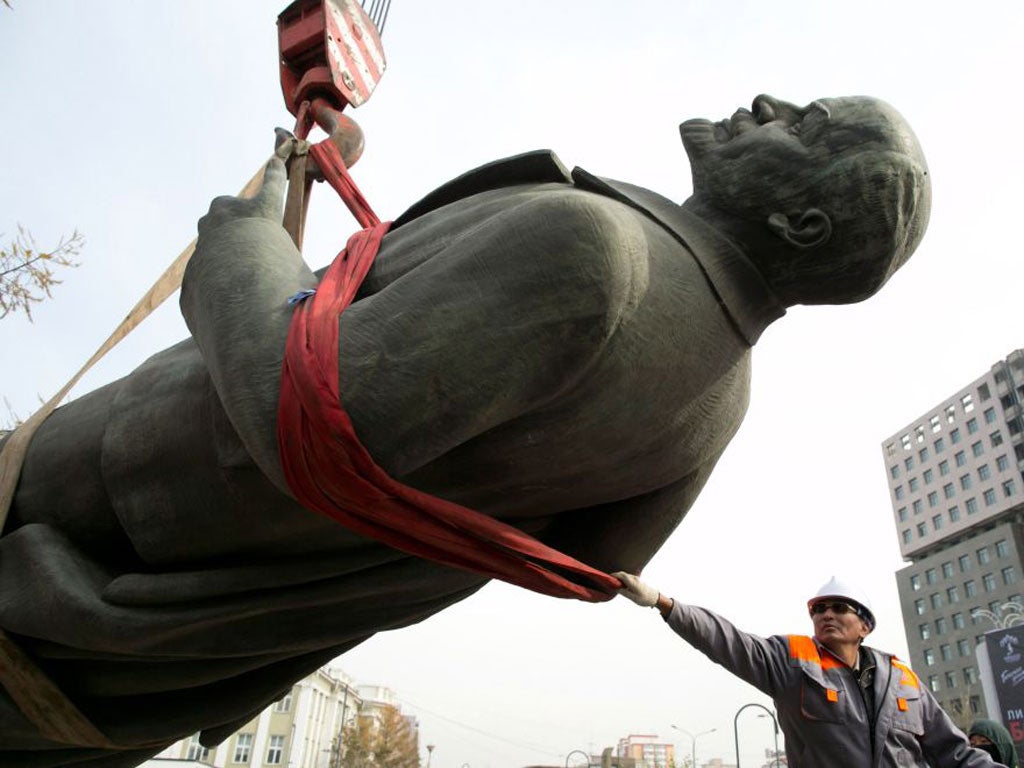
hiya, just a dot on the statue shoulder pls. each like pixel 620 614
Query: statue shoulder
pixel 537 167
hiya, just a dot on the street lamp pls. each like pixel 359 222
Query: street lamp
pixel 736 730
pixel 577 752
pixel 693 742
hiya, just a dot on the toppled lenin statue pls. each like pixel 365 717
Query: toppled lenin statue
pixel 568 354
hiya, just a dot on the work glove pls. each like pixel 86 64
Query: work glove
pixel 636 590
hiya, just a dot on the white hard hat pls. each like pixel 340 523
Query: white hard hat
pixel 847 591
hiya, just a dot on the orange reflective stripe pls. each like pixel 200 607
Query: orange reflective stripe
pixel 901 704
pixel 803 648
pixel 828 661
pixel 832 695
pixel 908 678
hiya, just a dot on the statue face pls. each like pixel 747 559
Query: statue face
pixel 776 150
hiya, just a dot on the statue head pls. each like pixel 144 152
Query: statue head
pixel 828 200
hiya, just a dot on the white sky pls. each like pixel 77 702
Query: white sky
pixel 124 119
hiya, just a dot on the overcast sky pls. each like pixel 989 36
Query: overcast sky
pixel 123 119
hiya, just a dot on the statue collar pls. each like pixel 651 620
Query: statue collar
pixel 739 286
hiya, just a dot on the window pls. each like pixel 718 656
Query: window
pixel 970 589
pixel 931 576
pixel 284 703
pixel 1009 575
pixel 928 476
pixel 948 490
pixel 1002 548
pixel 925 630
pixel 909 463
pixel 894 470
pixel 984 473
pixel 936 424
pixel 937 522
pixel 960 457
pixel 274 750
pixel 963 647
pixel 965 482
pixel 996 438
pixel 958 621
pixel 913 484
pixel 929 657
pixel 971 505
pixel 933 683
pixel 933 499
pixel 954 435
pixel 950 414
pixel 1002 463
pixel 946 652
pixel 898 492
pixel 996 606
pixel 964 562
pixel 954 513
pixel 975 618
pixel 902 514
pixel 977 449
pixel 243 746
pixel 917 506
pixel 919 433
pixel 975 704
pixel 990 497
pixel 972 426
pixel 919 607
pixel 989 581
pixel 983 393
pixel 197 751
pixel 990 415
pixel 907 535
pixel 1009 488
pixel 968 403
pixel 947 570
pixel 915 582
pixel 936 600
pixel 953 594
pixel 970 675
pixel 943 467
pixel 941 626
pixel 951 679
pixel 923 455
pixel 939 445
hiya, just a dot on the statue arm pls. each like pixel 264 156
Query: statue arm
pixel 234 299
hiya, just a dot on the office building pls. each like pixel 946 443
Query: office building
pixel 302 729
pixel 955 482
pixel 647 750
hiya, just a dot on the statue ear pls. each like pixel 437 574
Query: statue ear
pixel 813 229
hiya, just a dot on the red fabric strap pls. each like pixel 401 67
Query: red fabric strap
pixel 329 470
pixel 328 158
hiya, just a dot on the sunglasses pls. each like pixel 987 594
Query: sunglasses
pixel 837 608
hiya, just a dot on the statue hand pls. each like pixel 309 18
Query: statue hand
pixel 267 203
pixel 636 590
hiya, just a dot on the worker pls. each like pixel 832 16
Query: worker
pixel 992 737
pixel 840 703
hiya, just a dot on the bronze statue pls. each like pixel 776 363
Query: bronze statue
pixel 562 352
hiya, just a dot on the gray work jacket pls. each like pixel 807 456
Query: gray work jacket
pixel 821 709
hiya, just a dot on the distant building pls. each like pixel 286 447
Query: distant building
pixel 647 750
pixel 300 730
pixel 955 483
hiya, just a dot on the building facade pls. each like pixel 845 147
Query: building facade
pixel 956 476
pixel 302 729
pixel 647 750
